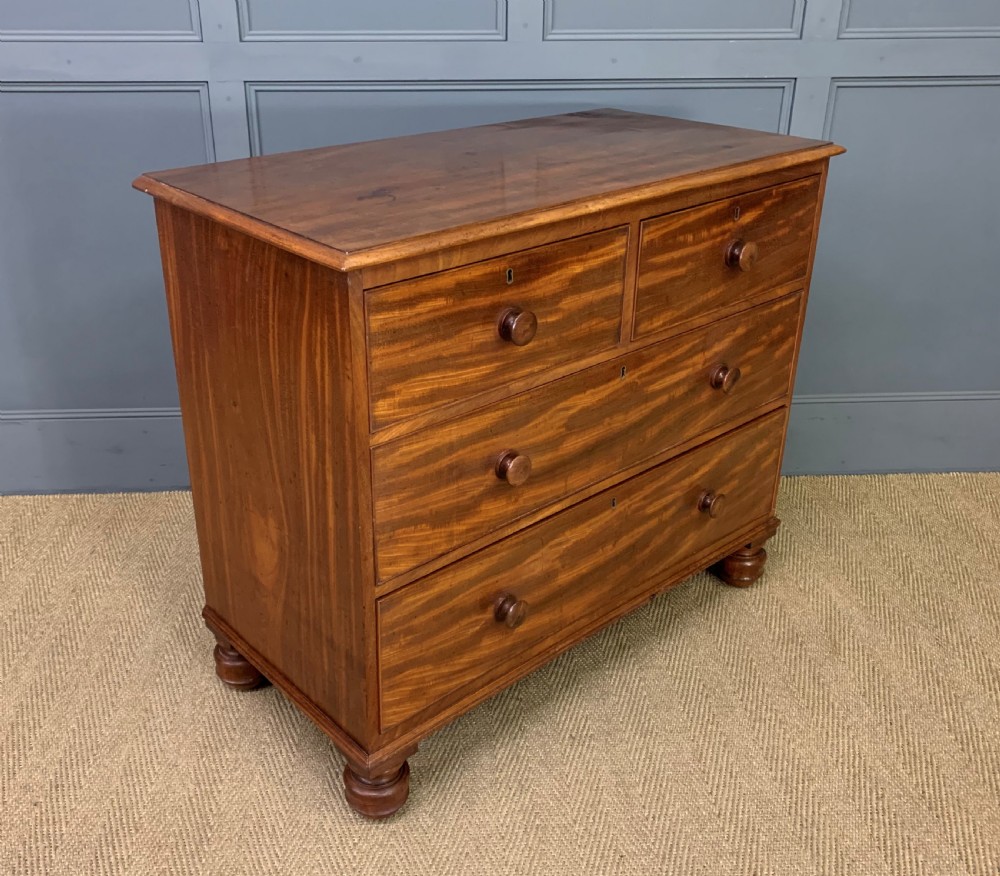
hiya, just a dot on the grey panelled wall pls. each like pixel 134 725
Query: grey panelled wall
pixel 900 368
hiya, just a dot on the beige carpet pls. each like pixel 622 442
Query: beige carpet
pixel 842 717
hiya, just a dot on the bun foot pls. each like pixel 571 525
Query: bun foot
pixel 380 796
pixel 744 566
pixel 234 669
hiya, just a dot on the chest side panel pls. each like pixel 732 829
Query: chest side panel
pixel 263 348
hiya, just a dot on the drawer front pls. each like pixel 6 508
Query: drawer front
pixel 440 488
pixel 574 568
pixel 439 338
pixel 697 260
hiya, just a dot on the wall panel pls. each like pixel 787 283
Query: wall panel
pixel 654 19
pixel 905 291
pixel 82 317
pixel 372 20
pixel 899 369
pixel 99 20
pixel 880 19
pixel 285 116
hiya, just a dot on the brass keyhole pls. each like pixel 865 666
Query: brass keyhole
pixel 510 276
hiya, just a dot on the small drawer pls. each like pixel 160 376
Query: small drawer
pixel 695 261
pixel 477 618
pixel 446 485
pixel 448 336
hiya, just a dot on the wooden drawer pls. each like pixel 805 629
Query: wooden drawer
pixel 688 261
pixel 436 339
pixel 569 570
pixel 439 488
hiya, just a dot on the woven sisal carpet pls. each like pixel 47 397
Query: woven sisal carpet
pixel 843 716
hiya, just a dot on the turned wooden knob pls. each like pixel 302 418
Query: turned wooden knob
pixel 725 378
pixel 742 254
pixel 517 326
pixel 514 468
pixel 711 503
pixel 510 611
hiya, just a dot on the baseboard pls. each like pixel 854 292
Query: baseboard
pixel 91 451
pixel 143 449
pixel 904 432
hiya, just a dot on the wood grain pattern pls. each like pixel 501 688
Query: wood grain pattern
pixel 683 269
pixel 441 632
pixel 232 668
pixel 262 342
pixel 366 203
pixel 575 431
pixel 623 211
pixel 516 495
pixel 435 340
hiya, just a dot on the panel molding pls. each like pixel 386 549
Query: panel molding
pixel 897 33
pixel 792 32
pixel 28 416
pixel 200 88
pixel 253 89
pixel 883 398
pixel 840 83
pixel 111 36
pixel 249 34
pixel 111 449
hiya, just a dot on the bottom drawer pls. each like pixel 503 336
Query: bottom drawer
pixel 442 632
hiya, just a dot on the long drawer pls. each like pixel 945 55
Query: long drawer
pixel 444 486
pixel 695 261
pixel 447 336
pixel 451 628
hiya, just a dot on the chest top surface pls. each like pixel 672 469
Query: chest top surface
pixel 365 203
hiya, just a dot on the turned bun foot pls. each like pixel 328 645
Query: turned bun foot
pixel 380 796
pixel 234 669
pixel 742 568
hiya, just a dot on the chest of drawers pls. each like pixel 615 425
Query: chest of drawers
pixel 454 402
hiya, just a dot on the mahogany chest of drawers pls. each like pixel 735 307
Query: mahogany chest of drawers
pixel 454 402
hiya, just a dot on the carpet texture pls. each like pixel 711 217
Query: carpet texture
pixel 840 717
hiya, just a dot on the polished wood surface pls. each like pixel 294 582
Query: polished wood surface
pixel 233 669
pixel 441 338
pixel 527 405
pixel 441 633
pixel 744 567
pixel 699 259
pixel 380 796
pixel 365 203
pixel 574 431
pixel 262 344
pixel 624 211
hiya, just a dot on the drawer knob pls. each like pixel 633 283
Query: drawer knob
pixel 742 254
pixel 711 503
pixel 725 378
pixel 517 326
pixel 514 468
pixel 510 611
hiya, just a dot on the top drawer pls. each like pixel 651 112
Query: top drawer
pixel 697 260
pixel 447 336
